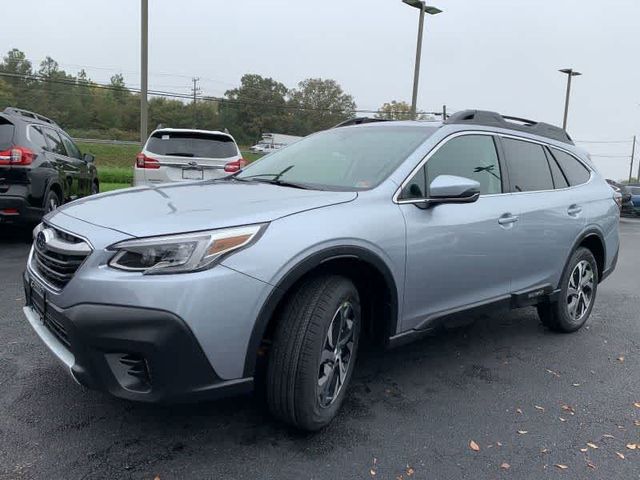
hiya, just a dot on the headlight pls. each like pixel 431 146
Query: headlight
pixel 182 253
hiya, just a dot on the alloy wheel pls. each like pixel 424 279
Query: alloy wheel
pixel 336 354
pixel 580 291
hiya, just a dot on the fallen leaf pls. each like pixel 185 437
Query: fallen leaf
pixel 560 466
pixel 474 446
pixel 410 471
pixel 637 404
pixel 584 450
pixel 523 432
pixel 568 408
pixel 621 359
pixel 505 466
pixel 157 477
pixel 636 423
pixel 592 445
pixel 553 373
pixel 518 410
pixel 606 435
pixel 591 465
pixel 372 472
pixel 544 450
pixel 620 455
pixel 562 419
pixel 499 444
pixel 575 384
pixel 537 407
pixel 632 446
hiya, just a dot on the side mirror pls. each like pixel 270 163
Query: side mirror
pixel 452 189
pixel 87 157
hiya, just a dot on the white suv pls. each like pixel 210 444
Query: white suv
pixel 175 155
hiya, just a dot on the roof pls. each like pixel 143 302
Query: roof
pixel 29 116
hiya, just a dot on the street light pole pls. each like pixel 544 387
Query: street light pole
pixel 144 71
pixel 570 74
pixel 416 72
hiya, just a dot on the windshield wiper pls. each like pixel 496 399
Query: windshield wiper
pixel 280 183
pixel 276 176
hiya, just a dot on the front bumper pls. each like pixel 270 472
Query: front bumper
pixel 141 354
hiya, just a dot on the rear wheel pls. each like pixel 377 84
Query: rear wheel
pixel 579 285
pixel 314 352
pixel 51 202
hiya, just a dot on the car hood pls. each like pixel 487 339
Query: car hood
pixel 187 207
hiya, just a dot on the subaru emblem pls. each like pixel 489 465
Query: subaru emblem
pixel 44 237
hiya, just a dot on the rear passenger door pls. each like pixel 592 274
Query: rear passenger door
pixel 551 213
pixel 66 167
pixel 83 179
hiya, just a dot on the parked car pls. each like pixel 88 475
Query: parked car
pixel 41 167
pixel 271 142
pixel 623 196
pixel 635 199
pixel 277 273
pixel 177 155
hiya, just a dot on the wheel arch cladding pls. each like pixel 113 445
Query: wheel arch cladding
pixel 55 187
pixel 593 242
pixel 371 276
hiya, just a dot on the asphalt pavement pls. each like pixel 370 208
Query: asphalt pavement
pixel 531 401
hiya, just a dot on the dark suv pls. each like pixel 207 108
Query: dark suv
pixel 40 167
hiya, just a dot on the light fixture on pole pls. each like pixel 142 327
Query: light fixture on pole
pixel 570 72
pixel 144 63
pixel 424 8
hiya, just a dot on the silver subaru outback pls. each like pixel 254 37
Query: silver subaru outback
pixel 277 273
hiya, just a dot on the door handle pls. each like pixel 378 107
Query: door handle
pixel 508 219
pixel 574 210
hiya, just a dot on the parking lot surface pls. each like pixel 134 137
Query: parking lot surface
pixel 529 399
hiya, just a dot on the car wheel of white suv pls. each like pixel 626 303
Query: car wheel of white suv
pixel 314 352
pixel 579 285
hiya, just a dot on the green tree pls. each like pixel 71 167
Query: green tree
pixel 6 95
pixel 257 106
pixel 394 110
pixel 319 104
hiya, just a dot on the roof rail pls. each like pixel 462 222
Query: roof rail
pixel 493 119
pixel 27 113
pixel 359 121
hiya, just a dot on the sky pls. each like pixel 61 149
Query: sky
pixel 500 55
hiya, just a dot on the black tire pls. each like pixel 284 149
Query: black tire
pixel 51 202
pixel 95 188
pixel 293 371
pixel 559 316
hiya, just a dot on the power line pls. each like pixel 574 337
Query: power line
pixel 223 101
pixel 604 141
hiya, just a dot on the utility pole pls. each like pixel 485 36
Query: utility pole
pixel 444 113
pixel 144 72
pixel 633 152
pixel 196 91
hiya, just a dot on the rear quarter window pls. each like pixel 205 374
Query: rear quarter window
pixel 573 169
pixel 6 134
pixel 192 144
pixel 529 170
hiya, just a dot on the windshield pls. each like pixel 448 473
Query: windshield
pixel 354 158
pixel 192 144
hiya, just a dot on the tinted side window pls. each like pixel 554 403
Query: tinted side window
pixel 469 156
pixel 528 167
pixel 54 141
pixel 576 172
pixel 559 179
pixel 72 150
pixel 37 138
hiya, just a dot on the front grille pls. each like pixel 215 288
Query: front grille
pixel 57 255
pixel 53 325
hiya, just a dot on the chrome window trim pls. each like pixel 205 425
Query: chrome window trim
pixel 494 134
pixel 432 152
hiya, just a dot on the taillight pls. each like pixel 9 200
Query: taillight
pixel 235 166
pixel 142 161
pixel 16 156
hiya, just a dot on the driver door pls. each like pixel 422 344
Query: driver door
pixel 458 255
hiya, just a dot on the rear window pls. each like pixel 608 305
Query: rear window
pixel 6 134
pixel 192 144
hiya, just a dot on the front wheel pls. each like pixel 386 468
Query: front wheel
pixel 51 202
pixel 314 352
pixel 579 286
